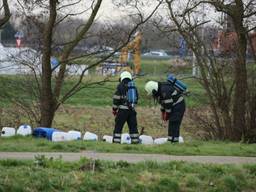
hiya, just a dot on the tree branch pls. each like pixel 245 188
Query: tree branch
pixel 7 13
pixel 118 48
pixel 70 47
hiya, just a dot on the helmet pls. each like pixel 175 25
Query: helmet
pixel 171 78
pixel 151 86
pixel 125 75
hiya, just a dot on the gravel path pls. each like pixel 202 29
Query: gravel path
pixel 131 158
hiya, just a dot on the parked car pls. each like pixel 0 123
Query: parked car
pixel 156 54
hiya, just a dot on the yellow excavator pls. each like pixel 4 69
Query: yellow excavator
pixel 135 46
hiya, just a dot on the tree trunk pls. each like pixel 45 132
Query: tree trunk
pixel 252 99
pixel 47 103
pixel 227 124
pixel 253 114
pixel 239 108
pixel 239 100
pixel 49 99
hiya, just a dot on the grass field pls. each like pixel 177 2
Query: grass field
pixel 101 95
pixel 90 110
pixel 157 70
pixel 30 144
pixel 55 175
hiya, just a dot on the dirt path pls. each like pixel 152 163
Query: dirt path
pixel 131 158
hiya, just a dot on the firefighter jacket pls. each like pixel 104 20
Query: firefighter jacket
pixel 120 95
pixel 168 96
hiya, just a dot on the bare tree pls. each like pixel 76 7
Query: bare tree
pixel 227 92
pixel 47 16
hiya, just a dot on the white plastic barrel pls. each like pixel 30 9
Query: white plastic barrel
pixel 160 141
pixel 90 136
pixel 181 140
pixel 24 130
pixel 164 140
pixel 58 136
pixel 146 140
pixel 8 132
pixel 75 135
pixel 108 138
pixel 125 138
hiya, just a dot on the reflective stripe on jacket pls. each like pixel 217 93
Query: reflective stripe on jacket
pixel 168 96
pixel 119 97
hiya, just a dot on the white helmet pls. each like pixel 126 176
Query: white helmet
pixel 125 75
pixel 150 86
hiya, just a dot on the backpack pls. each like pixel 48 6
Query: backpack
pixel 178 85
pixel 131 95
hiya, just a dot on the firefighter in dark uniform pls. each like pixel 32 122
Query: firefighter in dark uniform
pixel 123 112
pixel 172 106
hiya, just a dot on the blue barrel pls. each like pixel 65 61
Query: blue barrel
pixel 43 132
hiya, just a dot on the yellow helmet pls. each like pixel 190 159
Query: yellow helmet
pixel 150 86
pixel 125 74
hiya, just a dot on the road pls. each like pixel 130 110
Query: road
pixel 131 158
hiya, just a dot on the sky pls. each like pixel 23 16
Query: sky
pixel 110 12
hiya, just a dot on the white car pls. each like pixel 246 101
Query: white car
pixel 156 53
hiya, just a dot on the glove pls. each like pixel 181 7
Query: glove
pixel 165 116
pixel 114 111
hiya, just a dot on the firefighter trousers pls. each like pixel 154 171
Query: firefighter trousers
pixel 176 116
pixel 129 116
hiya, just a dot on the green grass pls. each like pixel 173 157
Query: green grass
pixel 45 174
pixel 19 87
pixel 162 67
pixel 30 144
pixel 101 95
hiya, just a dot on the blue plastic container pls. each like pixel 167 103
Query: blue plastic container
pixel 43 132
pixel 179 85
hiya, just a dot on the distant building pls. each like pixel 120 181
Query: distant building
pixel 253 41
pixel 225 43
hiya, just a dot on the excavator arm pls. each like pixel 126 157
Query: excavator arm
pixel 135 46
